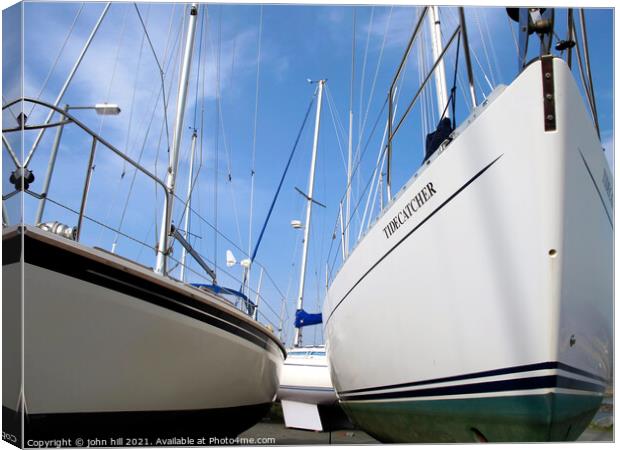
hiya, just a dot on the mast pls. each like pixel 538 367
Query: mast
pixel 440 71
pixel 304 256
pixel 173 160
pixel 345 236
pixel 188 203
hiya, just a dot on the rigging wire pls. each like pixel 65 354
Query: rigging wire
pixel 398 92
pixel 372 91
pixel 512 32
pixel 172 62
pixel 229 166
pixel 118 185
pixel 466 99
pixel 288 163
pixel 146 245
pixel 484 74
pixel 340 127
pixel 231 242
pixel 194 179
pixel 329 104
pixel 498 68
pixel 135 86
pixel 205 21
pixel 160 92
pixel 114 68
pixel 221 124
pixel 53 68
pixel 424 109
pixel 484 47
pixel 363 77
pixel 366 146
pixel 374 81
pixel 135 172
pixel 161 72
pixel 10 108
pixel 253 167
pixel 217 134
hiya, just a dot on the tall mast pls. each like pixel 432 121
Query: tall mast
pixel 173 160
pixel 188 203
pixel 304 255
pixel 345 236
pixel 440 71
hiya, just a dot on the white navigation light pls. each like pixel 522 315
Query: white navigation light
pixel 246 263
pixel 107 109
pixel 230 259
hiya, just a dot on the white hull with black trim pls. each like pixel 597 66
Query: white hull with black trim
pixel 479 305
pixel 113 350
pixel 305 377
pixel 306 391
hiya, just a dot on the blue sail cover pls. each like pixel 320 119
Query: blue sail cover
pixel 230 294
pixel 303 319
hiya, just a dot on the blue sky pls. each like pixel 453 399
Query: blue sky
pixel 296 42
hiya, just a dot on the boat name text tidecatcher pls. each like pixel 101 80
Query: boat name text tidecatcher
pixel 410 208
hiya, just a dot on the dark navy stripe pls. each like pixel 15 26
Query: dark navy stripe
pixel 486 373
pixel 303 365
pixel 471 180
pixel 297 388
pixel 567 368
pixel 548 381
pixel 597 189
pixel 79 266
pixel 11 250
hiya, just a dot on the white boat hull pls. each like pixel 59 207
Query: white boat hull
pixel 306 391
pixel 483 310
pixel 307 380
pixel 111 349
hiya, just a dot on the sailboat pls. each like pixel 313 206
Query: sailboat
pixel 478 305
pixel 97 346
pixel 305 382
